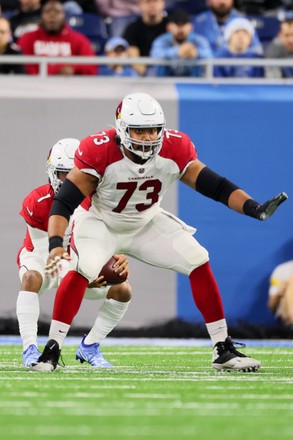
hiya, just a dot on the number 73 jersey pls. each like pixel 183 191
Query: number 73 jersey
pixel 128 195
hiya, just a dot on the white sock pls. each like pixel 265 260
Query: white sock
pixel 58 331
pixel 28 311
pixel 110 314
pixel 217 330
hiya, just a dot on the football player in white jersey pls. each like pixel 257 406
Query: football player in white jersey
pixel 119 178
pixel 32 257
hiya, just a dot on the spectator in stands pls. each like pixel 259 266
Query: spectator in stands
pixel 238 36
pixel 70 6
pixel 26 18
pixel 180 43
pixel 8 48
pixel 55 38
pixel 281 47
pixel 118 14
pixel 280 300
pixel 117 47
pixel 212 23
pixel 141 33
pixel 117 8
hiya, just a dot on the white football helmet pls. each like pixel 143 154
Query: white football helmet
pixel 140 110
pixel 61 158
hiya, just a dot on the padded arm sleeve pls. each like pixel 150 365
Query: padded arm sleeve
pixel 214 186
pixel 66 200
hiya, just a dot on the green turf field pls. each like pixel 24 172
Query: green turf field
pixel 152 393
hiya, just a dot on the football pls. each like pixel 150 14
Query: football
pixel 109 275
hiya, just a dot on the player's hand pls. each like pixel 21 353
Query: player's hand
pixel 121 265
pixel 54 262
pixel 268 208
pixel 187 50
pixel 98 282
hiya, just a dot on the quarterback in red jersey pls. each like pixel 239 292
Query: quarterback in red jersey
pixel 54 38
pixel 32 258
pixel 124 173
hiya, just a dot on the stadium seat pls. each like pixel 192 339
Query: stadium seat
pixel 93 27
pixel 266 27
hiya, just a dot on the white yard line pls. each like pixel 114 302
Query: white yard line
pixel 15 340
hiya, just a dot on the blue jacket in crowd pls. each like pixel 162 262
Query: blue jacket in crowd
pixel 206 25
pixel 238 71
pixel 165 47
pixel 126 71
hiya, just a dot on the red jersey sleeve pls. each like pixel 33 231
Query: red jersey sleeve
pixel 36 207
pixel 178 147
pixel 96 152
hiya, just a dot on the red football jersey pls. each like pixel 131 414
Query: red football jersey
pixel 35 210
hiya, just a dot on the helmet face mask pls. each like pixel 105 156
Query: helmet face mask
pixel 140 110
pixel 143 148
pixel 60 159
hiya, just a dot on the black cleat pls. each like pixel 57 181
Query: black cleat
pixel 48 360
pixel 226 357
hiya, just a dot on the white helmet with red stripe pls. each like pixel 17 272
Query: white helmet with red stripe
pixel 140 110
pixel 61 158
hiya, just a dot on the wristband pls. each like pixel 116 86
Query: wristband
pixel 250 208
pixel 55 241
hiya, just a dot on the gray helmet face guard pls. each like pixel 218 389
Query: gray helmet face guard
pixel 146 149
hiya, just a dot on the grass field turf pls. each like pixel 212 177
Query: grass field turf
pixel 154 392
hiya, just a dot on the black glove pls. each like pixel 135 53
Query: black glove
pixel 264 211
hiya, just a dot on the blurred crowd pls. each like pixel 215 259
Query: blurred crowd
pixel 173 32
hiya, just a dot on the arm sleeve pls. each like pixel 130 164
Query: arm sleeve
pixel 214 186
pixel 67 199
